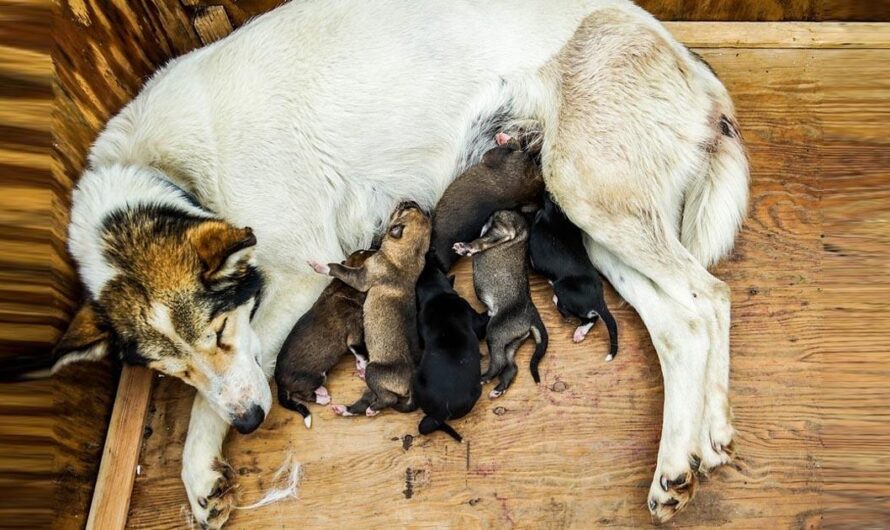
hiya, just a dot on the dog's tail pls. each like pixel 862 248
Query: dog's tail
pixel 539 332
pixel 717 203
pixel 612 326
pixel 292 404
pixel 430 424
pixel 17 368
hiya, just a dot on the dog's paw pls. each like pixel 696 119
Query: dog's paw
pixel 369 412
pixel 502 138
pixel 210 494
pixel 340 410
pixel 670 494
pixel 462 249
pixel 494 394
pixel 717 447
pixel 320 268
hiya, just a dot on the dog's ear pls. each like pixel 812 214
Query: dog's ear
pixel 225 252
pixel 87 339
pixel 493 158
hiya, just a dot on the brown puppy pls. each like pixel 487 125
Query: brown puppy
pixel 390 319
pixel 509 176
pixel 330 329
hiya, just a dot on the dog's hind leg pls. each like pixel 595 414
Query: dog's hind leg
pixel 681 342
pixel 509 369
pixel 359 407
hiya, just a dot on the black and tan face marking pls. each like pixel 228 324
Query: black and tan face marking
pixel 181 302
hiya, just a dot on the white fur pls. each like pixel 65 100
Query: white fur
pixel 311 123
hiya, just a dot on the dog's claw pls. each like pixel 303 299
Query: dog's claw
pixel 674 494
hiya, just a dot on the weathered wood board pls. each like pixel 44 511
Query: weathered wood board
pixel 578 450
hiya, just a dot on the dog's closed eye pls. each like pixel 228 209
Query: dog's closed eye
pixel 396 231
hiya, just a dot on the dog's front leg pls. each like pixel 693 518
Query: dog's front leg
pixel 205 474
pixel 481 244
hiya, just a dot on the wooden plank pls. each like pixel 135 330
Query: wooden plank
pixel 114 483
pixel 821 35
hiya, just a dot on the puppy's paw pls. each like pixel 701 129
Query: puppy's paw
pixel 462 249
pixel 340 410
pixel 322 397
pixel 210 494
pixel 494 394
pixel 502 138
pixel 319 267
pixel 369 412
pixel 581 332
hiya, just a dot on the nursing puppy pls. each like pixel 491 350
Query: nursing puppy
pixel 556 251
pixel 508 176
pixel 331 328
pixel 500 277
pixel 446 383
pixel 390 310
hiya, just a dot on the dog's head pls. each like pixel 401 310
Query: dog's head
pixel 575 299
pixel 179 300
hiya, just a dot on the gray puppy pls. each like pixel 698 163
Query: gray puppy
pixel 500 277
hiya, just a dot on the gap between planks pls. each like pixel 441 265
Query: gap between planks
pixel 117 470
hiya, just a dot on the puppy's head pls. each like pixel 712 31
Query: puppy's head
pixel 506 224
pixel 408 231
pixel 513 153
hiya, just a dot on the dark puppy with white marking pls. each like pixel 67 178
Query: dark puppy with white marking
pixel 390 311
pixel 331 328
pixel 446 383
pixel 500 277
pixel 556 250
pixel 509 176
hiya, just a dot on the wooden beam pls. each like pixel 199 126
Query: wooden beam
pixel 212 24
pixel 821 35
pixel 114 484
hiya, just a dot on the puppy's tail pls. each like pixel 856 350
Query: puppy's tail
pixel 292 404
pixel 430 424
pixel 539 332
pixel 612 326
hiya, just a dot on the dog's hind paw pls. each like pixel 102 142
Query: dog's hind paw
pixel 670 495
pixel 462 249
pixel 322 397
pixel 340 410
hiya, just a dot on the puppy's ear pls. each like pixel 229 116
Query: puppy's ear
pixel 451 280
pixel 493 158
pixel 87 339
pixel 225 252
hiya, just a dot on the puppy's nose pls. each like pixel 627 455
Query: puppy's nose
pixel 250 420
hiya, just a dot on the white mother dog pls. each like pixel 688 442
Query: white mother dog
pixel 309 125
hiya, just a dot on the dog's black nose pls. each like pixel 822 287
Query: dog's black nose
pixel 250 420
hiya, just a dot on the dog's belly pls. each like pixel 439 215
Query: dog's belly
pixel 310 123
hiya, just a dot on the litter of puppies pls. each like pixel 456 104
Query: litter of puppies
pixel 416 340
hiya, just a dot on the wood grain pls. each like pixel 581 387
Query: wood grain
pixel 578 450
pixel 114 482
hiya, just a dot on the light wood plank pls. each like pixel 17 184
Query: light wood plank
pixel 813 35
pixel 114 483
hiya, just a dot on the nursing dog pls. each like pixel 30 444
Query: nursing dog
pixel 509 176
pixel 556 251
pixel 500 277
pixel 330 329
pixel 446 383
pixel 309 135
pixel 390 311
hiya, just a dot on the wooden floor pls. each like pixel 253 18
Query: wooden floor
pixel 809 360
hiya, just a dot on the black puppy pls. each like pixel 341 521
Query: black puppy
pixel 446 383
pixel 556 251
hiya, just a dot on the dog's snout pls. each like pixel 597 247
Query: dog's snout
pixel 250 420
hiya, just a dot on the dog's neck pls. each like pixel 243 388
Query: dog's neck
pixel 105 190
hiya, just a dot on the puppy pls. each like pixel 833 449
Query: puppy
pixel 390 310
pixel 331 328
pixel 556 251
pixel 446 383
pixel 500 277
pixel 508 177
